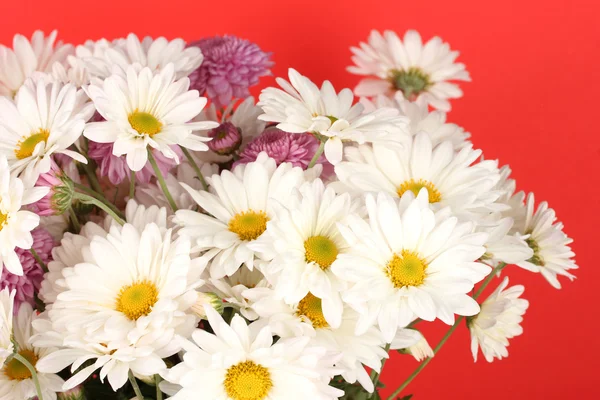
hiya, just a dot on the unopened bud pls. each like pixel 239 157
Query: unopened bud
pixel 207 300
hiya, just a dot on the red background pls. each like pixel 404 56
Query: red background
pixel 531 104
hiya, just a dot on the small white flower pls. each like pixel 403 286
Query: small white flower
pixel 302 107
pixel 141 109
pixel 422 73
pixel 15 224
pixel 406 261
pixel 499 320
pixel 7 301
pixel 45 119
pixel 241 362
pixel 411 341
pixel 27 57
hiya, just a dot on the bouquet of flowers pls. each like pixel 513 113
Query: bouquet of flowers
pixel 163 235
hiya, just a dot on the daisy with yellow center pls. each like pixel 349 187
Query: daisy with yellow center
pixel 238 209
pixel 408 262
pixel 302 243
pixel 240 362
pixel 152 110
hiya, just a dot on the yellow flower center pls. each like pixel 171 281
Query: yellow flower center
pixel 144 123
pixel 310 307
pixel 249 225
pixel 415 187
pixel 320 250
pixel 3 219
pixel 406 269
pixel 248 381
pixel 17 371
pixel 137 299
pixel 26 146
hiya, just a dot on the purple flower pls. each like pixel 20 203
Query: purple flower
pixel 226 139
pixel 295 148
pixel 231 65
pixel 31 279
pixel 116 169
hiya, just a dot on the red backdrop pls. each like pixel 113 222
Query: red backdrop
pixel 534 94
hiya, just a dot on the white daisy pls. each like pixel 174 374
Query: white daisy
pixel 450 177
pixel 306 318
pixel 302 107
pixel 240 362
pixel 407 261
pixel 122 306
pixel 16 380
pixel 15 224
pixel 502 244
pixel 141 109
pixel 302 241
pixel 100 57
pixel 499 320
pixel 552 255
pixel 240 204
pixel 422 73
pixel 7 301
pixel 26 57
pixel 44 120
pixel 411 341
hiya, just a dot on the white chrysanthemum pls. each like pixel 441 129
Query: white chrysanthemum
pixel 26 57
pixel 302 107
pixel 15 224
pixel 15 380
pixel 45 119
pixel 407 261
pixel 502 244
pixel 7 300
pixel 422 120
pixel 552 255
pixel 123 305
pixel 450 177
pixel 306 318
pixel 411 341
pixel 141 109
pixel 302 242
pixel 499 320
pixel 240 362
pixel 421 72
pixel 100 57
pixel 239 204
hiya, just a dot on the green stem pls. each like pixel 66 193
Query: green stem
pixel 376 375
pixel 161 181
pixel 33 372
pixel 446 336
pixel 317 155
pixel 38 259
pixel 98 196
pixel 157 380
pixel 195 167
pixel 84 198
pixel 74 220
pixel 136 388
pixel 132 185
pixel 91 175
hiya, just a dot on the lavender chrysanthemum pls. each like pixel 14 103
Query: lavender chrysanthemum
pixel 294 148
pixel 231 65
pixel 31 280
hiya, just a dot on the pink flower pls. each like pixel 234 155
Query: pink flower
pixel 31 280
pixel 294 148
pixel 231 65
pixel 60 195
pixel 226 139
pixel 116 169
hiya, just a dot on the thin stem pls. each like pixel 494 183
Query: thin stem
pixel 195 167
pixel 377 376
pixel 447 335
pixel 132 185
pixel 38 259
pixel 161 181
pixel 84 198
pixel 136 388
pixel 33 372
pixel 157 380
pixel 91 175
pixel 317 155
pixel 74 220
pixel 98 196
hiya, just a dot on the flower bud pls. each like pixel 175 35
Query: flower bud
pixel 60 196
pixel 207 300
pixel 227 138
pixel 77 393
